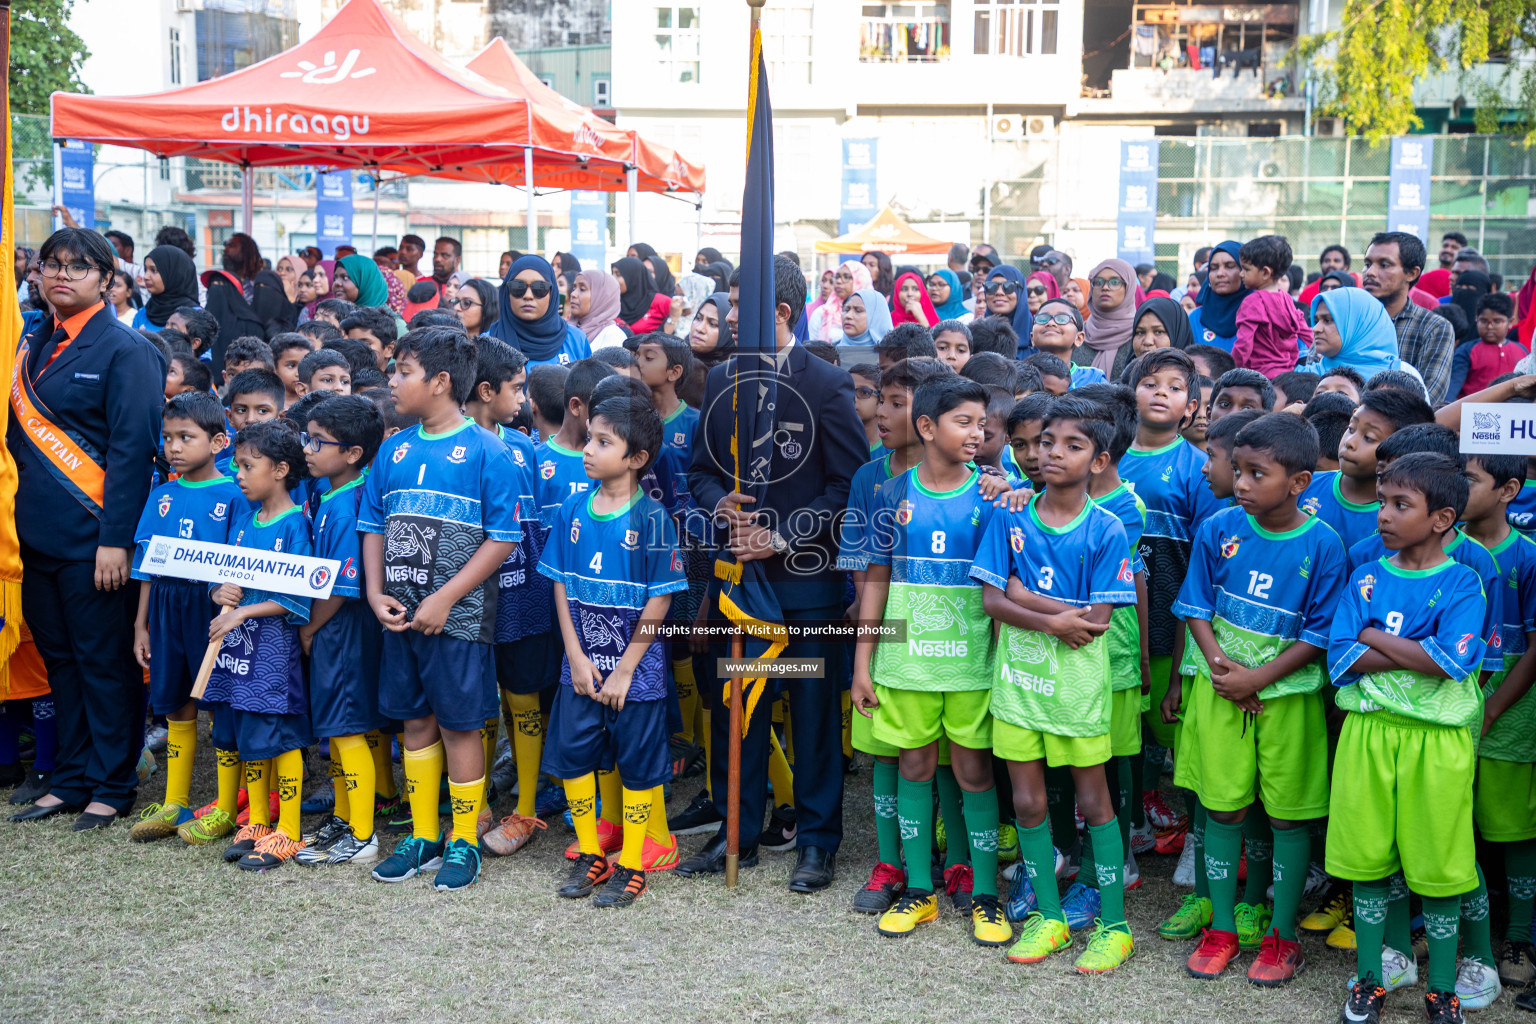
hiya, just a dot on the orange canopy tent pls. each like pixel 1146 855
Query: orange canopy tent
pixel 886 233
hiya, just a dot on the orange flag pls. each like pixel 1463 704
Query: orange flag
pixel 10 337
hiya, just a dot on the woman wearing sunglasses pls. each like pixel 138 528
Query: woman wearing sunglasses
pixel 1038 288
pixel 529 317
pixel 1004 293
pixel 1058 329
pixel 476 305
pixel 1113 295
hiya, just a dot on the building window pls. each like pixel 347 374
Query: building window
pixel 1048 31
pixel 787 42
pixel 602 92
pixel 175 56
pixel 905 32
pixel 677 43
pixel 1008 27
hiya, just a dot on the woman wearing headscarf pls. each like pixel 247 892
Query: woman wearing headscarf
pixel 529 319
pixel 711 342
pixel 1107 338
pixel 1159 323
pixel 1003 294
pixel 640 251
pixel 288 269
pixel 1351 328
pixel 947 294
pixel 593 307
pixel 477 305
pixel 359 281
pixel 565 263
pixel 705 257
pixel 866 318
pixel 1471 285
pixel 911 304
pixel 692 290
pixel 1436 282
pixel 666 284
pixel 1076 291
pixel 1038 288
pixel 824 292
pixel 880 271
pixel 720 273
pixel 641 307
pixel 1336 279
pixel 827 324
pixel 1214 321
pixel 171 280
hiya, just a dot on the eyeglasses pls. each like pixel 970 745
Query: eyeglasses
pixel 1060 319
pixel 466 303
pixel 517 289
pixel 1006 287
pixel 866 392
pixel 75 271
pixel 1036 290
pixel 1050 260
pixel 313 444
pixel 1107 282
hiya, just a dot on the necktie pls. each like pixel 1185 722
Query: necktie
pixel 45 354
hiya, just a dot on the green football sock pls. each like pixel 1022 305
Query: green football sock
pixel 1127 800
pixel 1223 847
pixel 1133 798
pixel 1520 872
pixel 1197 823
pixel 1040 862
pixel 1477 943
pixel 1108 860
pixel 1087 860
pixel 1060 795
pixel 1371 927
pixel 1398 935
pixel 1259 845
pixel 914 810
pixel 1441 914
pixel 1293 846
pixel 887 834
pixel 955 851
pixel 980 819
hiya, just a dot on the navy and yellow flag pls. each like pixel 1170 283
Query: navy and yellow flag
pixel 745 596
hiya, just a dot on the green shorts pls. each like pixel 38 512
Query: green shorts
pixel 1125 723
pixel 1504 800
pixel 1162 732
pixel 1280 755
pixel 909 719
pixel 1014 743
pixel 862 736
pixel 1402 799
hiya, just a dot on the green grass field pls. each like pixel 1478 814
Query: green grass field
pixel 94 928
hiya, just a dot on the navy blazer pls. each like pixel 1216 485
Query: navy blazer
pixel 818 446
pixel 107 389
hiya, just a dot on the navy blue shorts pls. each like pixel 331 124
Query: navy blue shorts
pixel 421 675
pixel 531 664
pixel 585 736
pixel 179 613
pixel 262 735
pixel 344 673
pixel 224 716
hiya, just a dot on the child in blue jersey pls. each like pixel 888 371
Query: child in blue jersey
pixel 1052 695
pixel 252 396
pixel 527 648
pixel 1263 582
pixel 866 402
pixel 342 637
pixel 439 517
pixel 613 557
pixel 1504 797
pixel 937 684
pixel 1404 651
pixel 560 472
pixel 1241 389
pixel 1024 424
pixel 1346 500
pixel 663 361
pixel 172 614
pixel 258 673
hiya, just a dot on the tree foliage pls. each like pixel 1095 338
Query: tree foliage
pixel 46 55
pixel 1366 69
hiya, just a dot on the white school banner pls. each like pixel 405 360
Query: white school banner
pixel 1498 428
pixel 274 571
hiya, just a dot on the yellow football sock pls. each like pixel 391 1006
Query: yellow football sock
pixel 657 828
pixel 383 766
pixel 637 815
pixel 488 737
pixel 467 798
pixel 779 775
pixel 258 776
pixel 180 748
pixel 687 694
pixel 527 726
pixel 339 785
pixel 610 790
pixel 847 723
pixel 707 739
pixel 789 736
pixel 289 768
pixel 581 795
pixel 356 760
pixel 423 778
pixel 229 780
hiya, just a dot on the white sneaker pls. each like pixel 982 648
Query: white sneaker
pixel 1317 883
pixel 351 850
pixel 157 738
pixel 1067 864
pixel 1477 984
pixel 1143 840
pixel 1131 873
pixel 1400 968
pixel 1184 873
pixel 1010 870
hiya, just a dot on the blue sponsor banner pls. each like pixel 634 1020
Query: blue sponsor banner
pixel 75 176
pixel 589 228
pixel 333 210
pixel 1413 159
pixel 860 193
pixel 1136 215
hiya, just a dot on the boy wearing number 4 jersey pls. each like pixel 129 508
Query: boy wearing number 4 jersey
pixel 1263 582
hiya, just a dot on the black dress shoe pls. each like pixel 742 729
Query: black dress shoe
pixel 37 812
pixel 815 871
pixel 34 788
pixel 711 859
pixel 88 821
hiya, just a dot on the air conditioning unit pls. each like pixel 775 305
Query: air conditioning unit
pixel 1007 126
pixel 1329 127
pixel 1270 169
pixel 186 6
pixel 1039 124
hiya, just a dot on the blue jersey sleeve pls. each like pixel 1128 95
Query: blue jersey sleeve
pixel 994 561
pixel 499 497
pixel 1351 616
pixel 553 561
pixel 1457 643
pixel 1109 565
pixel 663 562
pixel 141 535
pixel 1524 595
pixel 1203 503
pixel 1495 594
pixel 853 531
pixel 370 507
pixel 1197 594
pixel 339 540
pixel 1329 576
